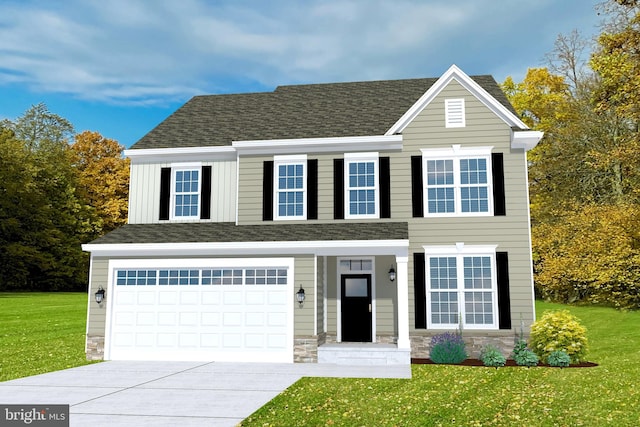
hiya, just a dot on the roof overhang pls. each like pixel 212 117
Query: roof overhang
pixel 319 145
pixel 180 154
pixel 525 139
pixel 397 247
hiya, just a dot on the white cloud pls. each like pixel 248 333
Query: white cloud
pixel 144 51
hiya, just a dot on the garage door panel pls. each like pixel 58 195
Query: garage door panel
pixel 217 318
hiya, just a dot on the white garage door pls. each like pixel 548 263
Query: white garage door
pixel 213 310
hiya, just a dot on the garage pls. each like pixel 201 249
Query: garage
pixel 200 309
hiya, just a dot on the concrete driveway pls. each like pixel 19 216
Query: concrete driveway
pixel 119 393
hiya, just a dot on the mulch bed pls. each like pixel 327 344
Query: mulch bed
pixel 510 362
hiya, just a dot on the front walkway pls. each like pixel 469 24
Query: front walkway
pixel 119 393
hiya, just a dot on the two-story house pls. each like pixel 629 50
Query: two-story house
pixel 321 223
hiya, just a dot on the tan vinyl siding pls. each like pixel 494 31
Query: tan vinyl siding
pixel 305 275
pixel 250 187
pixel 144 192
pixel 96 316
pixel 386 296
pixel 510 232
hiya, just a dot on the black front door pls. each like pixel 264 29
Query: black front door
pixel 356 307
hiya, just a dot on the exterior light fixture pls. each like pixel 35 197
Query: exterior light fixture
pixel 392 274
pixel 300 296
pixel 100 295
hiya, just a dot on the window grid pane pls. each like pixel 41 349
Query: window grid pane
pixel 362 183
pixel 440 186
pixel 443 273
pixel 478 307
pixel 291 190
pixel 474 191
pixel 444 307
pixel 135 277
pixel 186 193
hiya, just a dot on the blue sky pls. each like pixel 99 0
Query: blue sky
pixel 120 67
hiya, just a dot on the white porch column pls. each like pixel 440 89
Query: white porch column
pixel 402 282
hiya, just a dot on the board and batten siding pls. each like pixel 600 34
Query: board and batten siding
pixel 509 232
pixel 144 192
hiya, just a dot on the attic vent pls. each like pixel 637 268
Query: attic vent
pixel 454 113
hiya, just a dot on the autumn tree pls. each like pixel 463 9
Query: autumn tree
pixel 44 218
pixel 103 177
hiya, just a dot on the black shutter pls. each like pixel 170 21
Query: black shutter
pixel 338 188
pixel 267 191
pixel 205 193
pixel 416 186
pixel 165 193
pixel 419 290
pixel 504 301
pixel 497 168
pixel 312 189
pixel 385 187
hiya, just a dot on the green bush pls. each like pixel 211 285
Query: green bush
pixel 491 356
pixel 448 348
pixel 523 356
pixel 559 330
pixel 559 358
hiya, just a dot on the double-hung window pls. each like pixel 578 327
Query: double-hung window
pixel 457 181
pixel 290 187
pixel 461 281
pixel 186 192
pixel 361 185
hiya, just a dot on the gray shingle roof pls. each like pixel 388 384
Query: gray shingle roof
pixel 298 111
pixel 218 232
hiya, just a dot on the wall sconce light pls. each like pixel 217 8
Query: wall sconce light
pixel 100 295
pixel 392 274
pixel 300 296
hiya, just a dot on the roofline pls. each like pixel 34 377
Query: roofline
pixel 319 145
pixel 180 154
pixel 455 73
pixel 398 247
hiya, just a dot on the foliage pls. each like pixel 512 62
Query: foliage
pixel 559 358
pixel 447 348
pixel 45 214
pixel 590 254
pixel 41 332
pixel 442 395
pixel 491 356
pixel 103 177
pixel 524 356
pixel 559 330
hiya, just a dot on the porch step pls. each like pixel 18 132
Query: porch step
pixel 363 354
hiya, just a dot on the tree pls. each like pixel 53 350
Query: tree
pixel 45 218
pixel 103 177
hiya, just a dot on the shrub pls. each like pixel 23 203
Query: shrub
pixel 447 348
pixel 523 356
pixel 559 330
pixel 559 358
pixel 491 356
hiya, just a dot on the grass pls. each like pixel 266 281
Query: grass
pixel 471 396
pixel 41 332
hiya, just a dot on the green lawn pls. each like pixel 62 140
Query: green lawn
pixel 41 332
pixel 470 396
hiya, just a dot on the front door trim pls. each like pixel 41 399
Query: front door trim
pixel 344 270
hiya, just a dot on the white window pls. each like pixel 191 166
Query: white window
pixel 454 113
pixel 290 187
pixel 361 185
pixel 201 276
pixel 461 281
pixel 457 181
pixel 186 192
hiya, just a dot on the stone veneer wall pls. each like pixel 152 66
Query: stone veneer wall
pixel 503 341
pixel 95 347
pixel 305 348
